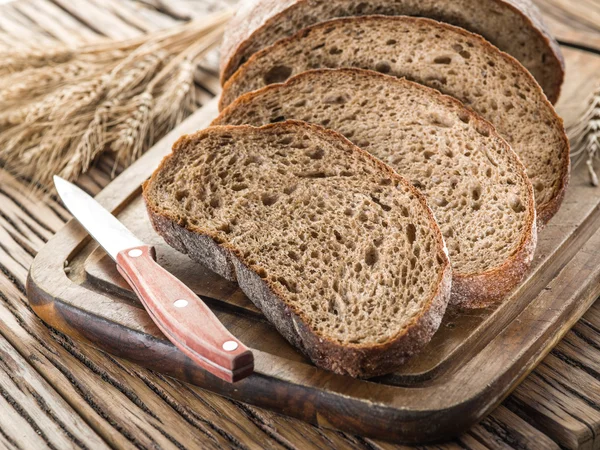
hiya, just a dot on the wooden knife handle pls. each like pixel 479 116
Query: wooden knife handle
pixel 183 317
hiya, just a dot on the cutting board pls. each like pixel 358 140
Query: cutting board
pixel 472 363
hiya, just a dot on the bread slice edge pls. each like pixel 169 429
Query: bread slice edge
pixel 474 290
pixel 231 59
pixel 356 360
pixel 546 211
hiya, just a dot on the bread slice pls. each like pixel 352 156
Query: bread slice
pixel 456 62
pixel 514 26
pixel 340 253
pixel 473 181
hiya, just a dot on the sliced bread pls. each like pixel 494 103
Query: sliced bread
pixel 473 181
pixel 514 26
pixel 340 253
pixel 456 62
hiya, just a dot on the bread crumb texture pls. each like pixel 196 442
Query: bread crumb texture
pixel 513 26
pixel 346 244
pixel 440 56
pixel 473 181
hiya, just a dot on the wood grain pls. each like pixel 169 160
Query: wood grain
pixel 528 419
pixel 192 328
pixel 466 370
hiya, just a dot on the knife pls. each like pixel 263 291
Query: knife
pixel 177 311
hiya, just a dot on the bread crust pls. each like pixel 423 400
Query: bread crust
pixel 265 13
pixel 357 360
pixel 544 212
pixel 475 290
pixel 532 14
pixel 481 290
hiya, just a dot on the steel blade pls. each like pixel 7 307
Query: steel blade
pixel 105 228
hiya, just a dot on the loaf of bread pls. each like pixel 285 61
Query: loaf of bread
pixel 514 26
pixel 340 253
pixel 473 181
pixel 448 58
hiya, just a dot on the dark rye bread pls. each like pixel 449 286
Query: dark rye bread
pixel 514 26
pixel 473 181
pixel 447 58
pixel 340 253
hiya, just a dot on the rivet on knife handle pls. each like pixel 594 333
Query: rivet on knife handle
pixel 183 317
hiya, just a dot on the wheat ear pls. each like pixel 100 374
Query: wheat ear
pixel 62 107
pixel 585 136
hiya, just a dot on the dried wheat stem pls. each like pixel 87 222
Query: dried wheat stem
pixel 15 61
pixel 199 24
pixel 131 134
pixel 585 136
pixel 66 106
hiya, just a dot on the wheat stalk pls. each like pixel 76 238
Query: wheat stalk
pixel 585 136
pixel 62 107
pixel 13 61
pixel 36 81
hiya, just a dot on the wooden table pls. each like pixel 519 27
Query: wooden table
pixel 60 394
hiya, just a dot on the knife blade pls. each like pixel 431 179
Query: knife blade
pixel 177 311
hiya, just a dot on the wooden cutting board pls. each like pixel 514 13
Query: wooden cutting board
pixel 473 362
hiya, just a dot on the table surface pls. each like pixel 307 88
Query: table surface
pixel 57 393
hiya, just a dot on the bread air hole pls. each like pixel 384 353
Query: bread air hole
pixel 417 251
pixel 317 154
pixel 517 205
pixel 442 60
pixel 371 256
pixel 440 120
pixel 464 117
pixel 225 228
pixel 181 195
pixel 289 189
pixel 441 202
pixel 269 199
pixel 253 159
pixel 383 67
pixel 288 284
pixel 485 132
pixel 277 74
pixel 436 80
pixel 382 205
pixel 411 233
pixel 335 99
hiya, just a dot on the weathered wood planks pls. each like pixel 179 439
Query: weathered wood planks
pixel 552 411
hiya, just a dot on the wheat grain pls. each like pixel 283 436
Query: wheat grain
pixel 585 136
pixel 131 134
pixel 132 78
pixel 62 107
pixel 175 97
pixel 37 81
